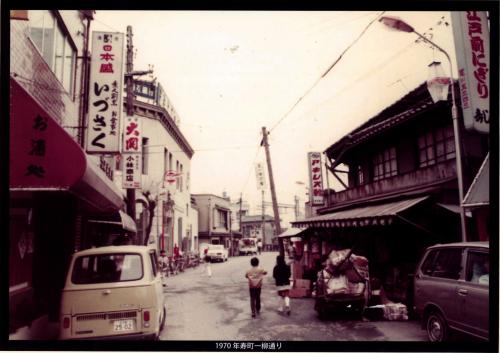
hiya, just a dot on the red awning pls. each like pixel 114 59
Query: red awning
pixel 43 156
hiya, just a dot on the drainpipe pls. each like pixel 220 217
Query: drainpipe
pixel 84 83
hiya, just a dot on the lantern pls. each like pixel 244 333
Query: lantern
pixel 437 83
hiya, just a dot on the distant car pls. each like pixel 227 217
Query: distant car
pixel 217 252
pixel 247 246
pixel 113 292
pixel 452 290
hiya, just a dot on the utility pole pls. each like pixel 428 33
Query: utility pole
pixel 263 217
pixel 129 82
pixel 273 191
pixel 296 207
pixel 241 229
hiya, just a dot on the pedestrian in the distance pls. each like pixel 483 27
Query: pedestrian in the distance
pixel 255 276
pixel 281 274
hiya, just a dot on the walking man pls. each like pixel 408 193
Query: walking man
pixel 255 276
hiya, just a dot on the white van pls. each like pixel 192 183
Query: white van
pixel 113 292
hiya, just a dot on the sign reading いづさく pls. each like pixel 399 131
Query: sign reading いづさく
pixel 105 93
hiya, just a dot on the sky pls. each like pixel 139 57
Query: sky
pixel 230 73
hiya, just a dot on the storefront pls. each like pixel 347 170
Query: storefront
pixel 55 189
pixel 391 235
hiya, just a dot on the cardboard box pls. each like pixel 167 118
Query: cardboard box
pixel 302 283
pixel 299 293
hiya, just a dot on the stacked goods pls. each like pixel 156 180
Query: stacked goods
pixel 395 311
pixel 345 273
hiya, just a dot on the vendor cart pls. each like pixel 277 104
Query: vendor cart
pixel 343 285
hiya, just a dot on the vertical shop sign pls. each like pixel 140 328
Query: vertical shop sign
pixel 105 93
pixel 132 169
pixel 132 135
pixel 472 45
pixel 315 178
pixel 259 174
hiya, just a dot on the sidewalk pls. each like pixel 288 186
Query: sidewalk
pixel 40 329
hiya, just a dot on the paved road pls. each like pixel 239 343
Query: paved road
pixel 218 308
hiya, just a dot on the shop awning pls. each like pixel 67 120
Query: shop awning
pixel 43 156
pixel 120 219
pixel 290 232
pixel 479 191
pixel 381 214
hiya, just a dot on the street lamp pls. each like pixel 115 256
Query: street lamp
pixel 435 85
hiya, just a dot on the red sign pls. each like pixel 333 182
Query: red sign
pixel 42 153
pixel 171 176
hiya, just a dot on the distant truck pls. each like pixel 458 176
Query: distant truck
pixel 247 247
pixel 217 252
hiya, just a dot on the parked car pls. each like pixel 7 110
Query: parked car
pixel 452 290
pixel 247 246
pixel 113 292
pixel 217 252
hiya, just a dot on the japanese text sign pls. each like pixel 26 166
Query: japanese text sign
pixel 132 171
pixel 40 149
pixel 260 177
pixel 132 139
pixel 105 93
pixel 472 45
pixel 315 178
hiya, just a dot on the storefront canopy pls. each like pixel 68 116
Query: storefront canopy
pixel 479 192
pixel 120 219
pixel 381 214
pixel 290 232
pixel 43 156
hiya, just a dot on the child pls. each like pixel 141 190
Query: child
pixel 281 274
pixel 255 276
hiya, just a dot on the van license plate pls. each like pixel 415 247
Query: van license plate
pixel 123 325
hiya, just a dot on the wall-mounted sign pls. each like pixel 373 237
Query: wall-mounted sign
pixel 132 134
pixel 105 93
pixel 472 46
pixel 132 171
pixel 260 176
pixel 106 163
pixel 171 176
pixel 315 178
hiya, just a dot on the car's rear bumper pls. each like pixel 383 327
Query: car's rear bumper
pixel 128 337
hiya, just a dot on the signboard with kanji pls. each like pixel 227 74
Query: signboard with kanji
pixel 132 135
pixel 260 176
pixel 472 45
pixel 315 178
pixel 132 171
pixel 105 93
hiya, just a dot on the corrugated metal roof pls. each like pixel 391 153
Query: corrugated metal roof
pixel 365 212
pixel 479 191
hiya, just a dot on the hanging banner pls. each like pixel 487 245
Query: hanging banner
pixel 132 171
pixel 315 179
pixel 105 93
pixel 472 46
pixel 132 134
pixel 260 176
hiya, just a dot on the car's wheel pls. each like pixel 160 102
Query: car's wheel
pixel 437 329
pixel 163 319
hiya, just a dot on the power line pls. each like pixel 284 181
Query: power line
pixel 327 71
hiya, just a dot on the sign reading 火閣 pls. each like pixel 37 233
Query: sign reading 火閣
pixel 315 178
pixel 472 45
pixel 105 92
pixel 132 135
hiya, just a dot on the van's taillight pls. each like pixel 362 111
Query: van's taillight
pixel 146 315
pixel 66 322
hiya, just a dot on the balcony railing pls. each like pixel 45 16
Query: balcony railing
pixel 420 178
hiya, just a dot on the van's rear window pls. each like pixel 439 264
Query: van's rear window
pixel 104 268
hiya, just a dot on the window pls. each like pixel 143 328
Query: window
pixel 222 218
pixel 478 267
pixel 360 175
pixel 385 164
pixel 436 146
pixel 445 263
pixel 145 155
pixel 107 268
pixel 165 161
pixel 154 263
pixel 54 44
pixel 170 161
pixel 178 178
pixel 181 178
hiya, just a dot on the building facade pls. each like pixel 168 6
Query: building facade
pixel 56 188
pixel 214 220
pixel 252 227
pixel 402 192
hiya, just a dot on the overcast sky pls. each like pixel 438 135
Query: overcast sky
pixel 230 73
